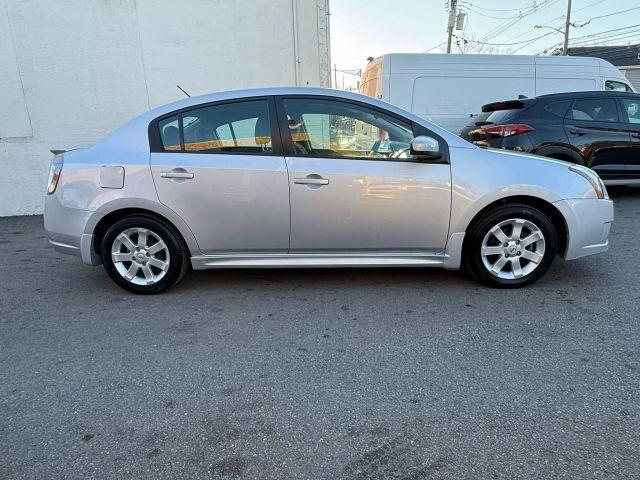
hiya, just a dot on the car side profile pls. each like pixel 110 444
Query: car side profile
pixel 598 129
pixel 311 177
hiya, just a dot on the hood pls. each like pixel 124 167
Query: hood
pixel 519 156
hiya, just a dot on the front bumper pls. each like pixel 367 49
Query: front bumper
pixel 65 229
pixel 588 224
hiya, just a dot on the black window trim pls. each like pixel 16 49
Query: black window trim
pixel 155 142
pixel 416 128
pixel 593 97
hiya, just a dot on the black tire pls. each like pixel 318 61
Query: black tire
pixel 179 257
pixel 472 257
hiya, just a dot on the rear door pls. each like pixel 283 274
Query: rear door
pixel 595 129
pixel 220 167
pixel 354 186
pixel 631 115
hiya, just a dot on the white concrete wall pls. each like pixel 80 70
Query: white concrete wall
pixel 73 70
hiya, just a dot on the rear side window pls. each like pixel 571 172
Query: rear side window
pixel 632 107
pixel 558 108
pixel 595 110
pixel 242 127
pixel 170 133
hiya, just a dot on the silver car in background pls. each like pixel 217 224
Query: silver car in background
pixel 309 177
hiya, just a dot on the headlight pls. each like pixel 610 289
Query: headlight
pixel 54 173
pixel 593 178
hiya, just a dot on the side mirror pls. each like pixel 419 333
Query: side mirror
pixel 425 148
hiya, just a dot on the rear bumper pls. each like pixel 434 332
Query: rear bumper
pixel 588 222
pixel 65 229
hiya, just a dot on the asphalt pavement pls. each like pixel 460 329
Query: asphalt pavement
pixel 320 374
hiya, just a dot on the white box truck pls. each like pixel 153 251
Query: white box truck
pixel 450 89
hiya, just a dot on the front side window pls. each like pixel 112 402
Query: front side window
pixel 329 128
pixel 242 127
pixel 632 107
pixel 614 86
pixel 595 110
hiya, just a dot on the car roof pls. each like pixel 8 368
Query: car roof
pixel 135 131
pixel 596 93
pixel 260 92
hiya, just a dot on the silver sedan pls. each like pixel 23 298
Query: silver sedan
pixel 309 177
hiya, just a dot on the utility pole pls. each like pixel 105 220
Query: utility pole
pixel 452 22
pixel 566 29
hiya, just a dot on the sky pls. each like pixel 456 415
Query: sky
pixel 363 28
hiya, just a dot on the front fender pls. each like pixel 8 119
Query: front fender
pixel 464 211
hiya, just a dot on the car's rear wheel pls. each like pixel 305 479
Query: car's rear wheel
pixel 512 246
pixel 144 255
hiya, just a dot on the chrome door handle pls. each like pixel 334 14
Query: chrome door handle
pixel 176 175
pixel 311 181
pixel 635 135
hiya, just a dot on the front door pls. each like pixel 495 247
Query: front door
pixel 219 171
pixel 354 186
pixel 594 128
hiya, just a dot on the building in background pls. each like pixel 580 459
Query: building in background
pixel 625 57
pixel 74 70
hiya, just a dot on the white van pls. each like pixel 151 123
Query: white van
pixel 448 89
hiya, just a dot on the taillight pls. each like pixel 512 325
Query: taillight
pixel 54 173
pixel 508 130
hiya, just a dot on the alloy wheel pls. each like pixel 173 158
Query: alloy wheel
pixel 513 249
pixel 140 256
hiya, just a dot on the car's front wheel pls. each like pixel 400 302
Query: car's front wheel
pixel 512 246
pixel 144 255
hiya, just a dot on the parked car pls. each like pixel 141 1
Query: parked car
pixel 598 129
pixel 449 89
pixel 266 178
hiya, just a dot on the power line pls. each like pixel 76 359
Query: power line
pixel 608 31
pixel 506 44
pixel 612 49
pixel 576 10
pixel 609 15
pixel 433 48
pixel 614 35
pixel 510 21
pixel 601 35
pixel 498 9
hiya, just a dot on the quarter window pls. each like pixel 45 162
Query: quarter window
pixel 329 128
pixel 594 109
pixel 558 108
pixel 632 107
pixel 170 133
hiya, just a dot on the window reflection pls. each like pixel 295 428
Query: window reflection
pixel 339 129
